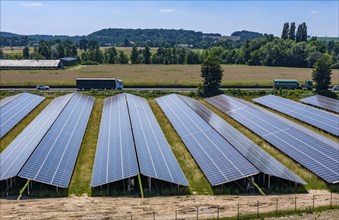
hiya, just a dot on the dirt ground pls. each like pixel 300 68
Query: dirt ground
pixel 182 207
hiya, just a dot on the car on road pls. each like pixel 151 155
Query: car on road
pixel 336 87
pixel 42 87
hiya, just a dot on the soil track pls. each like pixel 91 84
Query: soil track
pixel 162 207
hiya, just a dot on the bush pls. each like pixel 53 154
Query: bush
pixel 328 93
pixel 89 62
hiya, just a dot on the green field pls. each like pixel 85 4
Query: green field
pixel 80 182
pixel 157 75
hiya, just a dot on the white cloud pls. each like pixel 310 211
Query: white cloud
pixel 314 12
pixel 31 4
pixel 166 10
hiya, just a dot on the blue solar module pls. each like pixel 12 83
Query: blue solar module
pixel 252 152
pixel 115 157
pixel 318 157
pixel 318 118
pixel 322 102
pixel 54 158
pixel 219 161
pixel 17 153
pixel 14 111
pixel 155 155
pixel 8 99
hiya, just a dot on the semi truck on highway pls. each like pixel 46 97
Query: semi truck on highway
pixel 291 84
pixel 99 84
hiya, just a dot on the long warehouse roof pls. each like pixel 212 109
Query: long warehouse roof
pixel 29 63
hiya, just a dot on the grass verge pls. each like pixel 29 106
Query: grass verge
pixel 198 184
pixel 81 179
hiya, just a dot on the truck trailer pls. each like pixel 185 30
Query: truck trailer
pixel 286 84
pixel 99 84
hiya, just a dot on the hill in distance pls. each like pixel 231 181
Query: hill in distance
pixel 117 36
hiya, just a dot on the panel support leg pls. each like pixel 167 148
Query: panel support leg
pixel 269 181
pixel 129 185
pixel 150 183
pixel 263 179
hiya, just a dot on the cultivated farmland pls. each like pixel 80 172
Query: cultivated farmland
pixel 156 75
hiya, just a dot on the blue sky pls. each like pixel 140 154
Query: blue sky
pixel 224 17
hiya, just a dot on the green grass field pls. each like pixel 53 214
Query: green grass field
pixel 157 75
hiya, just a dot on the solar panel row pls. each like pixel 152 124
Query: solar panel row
pixel 313 154
pixel 54 158
pixel 219 161
pixel 322 102
pixel 17 153
pixel 126 117
pixel 252 152
pixel 115 157
pixel 15 110
pixel 8 99
pixel 155 155
pixel 324 120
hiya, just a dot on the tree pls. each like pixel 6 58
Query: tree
pixel 25 53
pixel 123 58
pixel 126 43
pixel 147 55
pixel 304 32
pixel 134 55
pixel 61 50
pixel 285 31
pixel 1 54
pixel 291 34
pixel 211 72
pixel 301 32
pixel 322 72
pixel 110 55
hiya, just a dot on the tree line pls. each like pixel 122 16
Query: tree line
pixel 292 49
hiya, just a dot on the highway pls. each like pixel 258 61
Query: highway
pixel 174 89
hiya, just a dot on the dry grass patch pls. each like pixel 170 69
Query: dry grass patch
pixel 198 184
pixel 156 75
pixel 81 179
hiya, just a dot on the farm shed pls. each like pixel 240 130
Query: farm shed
pixel 69 61
pixel 31 64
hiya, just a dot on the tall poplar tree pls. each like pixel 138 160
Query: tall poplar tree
pixel 284 34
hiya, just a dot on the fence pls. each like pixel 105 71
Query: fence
pixel 239 208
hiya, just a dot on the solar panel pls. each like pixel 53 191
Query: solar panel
pixel 318 157
pixel 218 160
pixel 115 157
pixel 8 99
pixel 17 153
pixel 14 111
pixel 321 119
pixel 155 155
pixel 54 158
pixel 322 102
pixel 252 152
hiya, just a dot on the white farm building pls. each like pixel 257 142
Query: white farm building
pixel 31 64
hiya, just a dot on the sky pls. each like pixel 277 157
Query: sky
pixel 224 17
